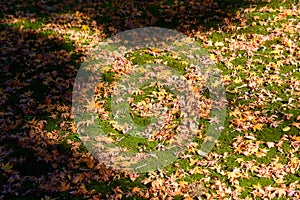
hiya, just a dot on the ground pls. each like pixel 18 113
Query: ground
pixel 256 46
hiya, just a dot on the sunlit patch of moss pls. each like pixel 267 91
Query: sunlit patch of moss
pixel 291 178
pixel 230 163
pixel 248 184
pixel 141 57
pixel 147 91
pixel 137 144
pixel 106 127
pixel 141 121
pixel 182 163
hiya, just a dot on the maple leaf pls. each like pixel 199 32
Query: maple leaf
pixel 84 27
pixel 257 127
pixel 270 144
pixel 296 138
pixel 136 190
pixel 90 162
pixel 235 113
pixel 146 181
pixel 78 178
pixel 296 124
pixel 193 161
pixel 254 168
pixel 257 186
pixel 239 160
pixel 214 119
pixel 64 186
pixel 7 168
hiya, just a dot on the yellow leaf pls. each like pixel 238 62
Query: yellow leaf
pixel 219 44
pixel 240 67
pixel 64 186
pixel 279 181
pixel 239 188
pixel 286 129
pixel 276 51
pixel 237 80
pixel 183 183
pixel 239 160
pixel 213 57
pixel 184 62
pixel 235 113
pixel 215 84
pixel 84 27
pixel 254 168
pixel 192 161
pixel 91 105
pixel 6 167
pixel 118 196
pixel 258 186
pixel 270 144
pixel 257 127
pixel 104 139
pixel 198 170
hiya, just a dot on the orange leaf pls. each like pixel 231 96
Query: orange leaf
pixel 296 124
pixel 136 189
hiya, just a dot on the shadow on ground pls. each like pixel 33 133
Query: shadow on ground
pixel 120 15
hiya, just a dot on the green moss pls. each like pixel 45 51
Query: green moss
pixel 52 124
pixel 270 134
pixel 137 144
pixel 141 121
pixel 126 185
pixel 230 163
pixel 147 91
pixel 271 154
pixel 291 178
pixel 108 77
pixel 100 186
pixel 106 127
pixel 64 147
pixel 249 183
pixel 140 57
